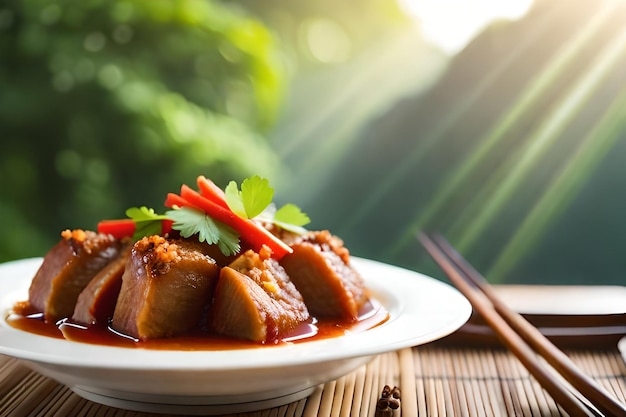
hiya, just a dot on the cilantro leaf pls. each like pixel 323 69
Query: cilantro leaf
pixel 290 217
pixel 229 240
pixel 147 222
pixel 291 214
pixel 143 213
pixel 234 199
pixel 147 228
pixel 254 197
pixel 189 221
pixel 255 201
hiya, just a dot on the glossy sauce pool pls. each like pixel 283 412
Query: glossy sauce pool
pixel 371 315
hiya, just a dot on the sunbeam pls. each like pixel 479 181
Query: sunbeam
pixel 545 136
pixel 426 141
pixel 562 189
pixel 531 95
pixel 450 24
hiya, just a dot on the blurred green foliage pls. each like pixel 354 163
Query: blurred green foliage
pixel 105 105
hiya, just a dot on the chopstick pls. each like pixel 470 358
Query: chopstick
pixel 521 337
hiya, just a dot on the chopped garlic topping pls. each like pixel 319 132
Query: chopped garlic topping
pixel 78 235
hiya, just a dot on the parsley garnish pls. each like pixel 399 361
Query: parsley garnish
pixel 291 218
pixel 147 222
pixel 254 197
pixel 254 201
pixel 189 221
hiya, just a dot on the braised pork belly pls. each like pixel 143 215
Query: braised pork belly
pixel 67 269
pixel 96 303
pixel 320 268
pixel 256 300
pixel 164 287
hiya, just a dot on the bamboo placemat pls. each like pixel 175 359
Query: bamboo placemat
pixel 434 381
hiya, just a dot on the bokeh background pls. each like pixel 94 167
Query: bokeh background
pixel 501 124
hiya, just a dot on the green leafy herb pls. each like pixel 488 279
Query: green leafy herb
pixel 147 222
pixel 189 221
pixel 254 201
pixel 254 197
pixel 291 218
pixel 234 200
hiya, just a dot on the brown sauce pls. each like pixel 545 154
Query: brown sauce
pixel 371 315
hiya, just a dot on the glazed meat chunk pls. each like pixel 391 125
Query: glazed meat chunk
pixel 96 303
pixel 67 269
pixel 166 287
pixel 320 269
pixel 255 300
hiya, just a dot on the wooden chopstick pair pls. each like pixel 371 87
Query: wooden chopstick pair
pixel 580 396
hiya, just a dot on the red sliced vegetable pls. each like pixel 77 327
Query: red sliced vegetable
pixel 175 200
pixel 166 226
pixel 211 191
pixel 117 228
pixel 122 228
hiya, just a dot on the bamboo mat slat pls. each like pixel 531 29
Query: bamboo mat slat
pixel 435 381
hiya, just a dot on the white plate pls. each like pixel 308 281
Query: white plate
pixel 421 310
pixel 621 345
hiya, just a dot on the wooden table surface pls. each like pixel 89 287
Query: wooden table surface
pixel 443 378
pixel 435 380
